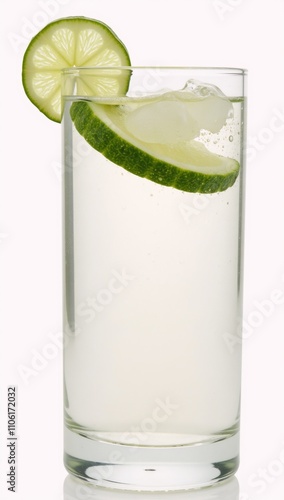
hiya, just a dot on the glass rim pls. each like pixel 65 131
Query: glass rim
pixel 209 69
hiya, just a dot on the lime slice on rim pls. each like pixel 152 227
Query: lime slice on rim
pixel 66 43
pixel 188 166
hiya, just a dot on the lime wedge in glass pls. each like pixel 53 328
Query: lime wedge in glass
pixel 65 43
pixel 186 165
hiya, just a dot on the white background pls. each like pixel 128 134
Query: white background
pixel 240 33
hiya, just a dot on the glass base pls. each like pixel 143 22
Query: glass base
pixel 150 468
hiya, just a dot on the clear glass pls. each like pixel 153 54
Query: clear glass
pixel 153 291
pixel 75 489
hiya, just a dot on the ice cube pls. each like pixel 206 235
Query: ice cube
pixel 164 121
pixel 207 105
pixel 179 116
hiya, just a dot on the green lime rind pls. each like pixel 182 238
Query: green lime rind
pixel 142 163
pixel 67 43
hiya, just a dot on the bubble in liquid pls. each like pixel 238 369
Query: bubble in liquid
pixel 231 138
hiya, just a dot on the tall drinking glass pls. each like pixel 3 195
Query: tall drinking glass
pixel 153 208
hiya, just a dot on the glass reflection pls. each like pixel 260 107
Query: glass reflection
pixel 74 489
